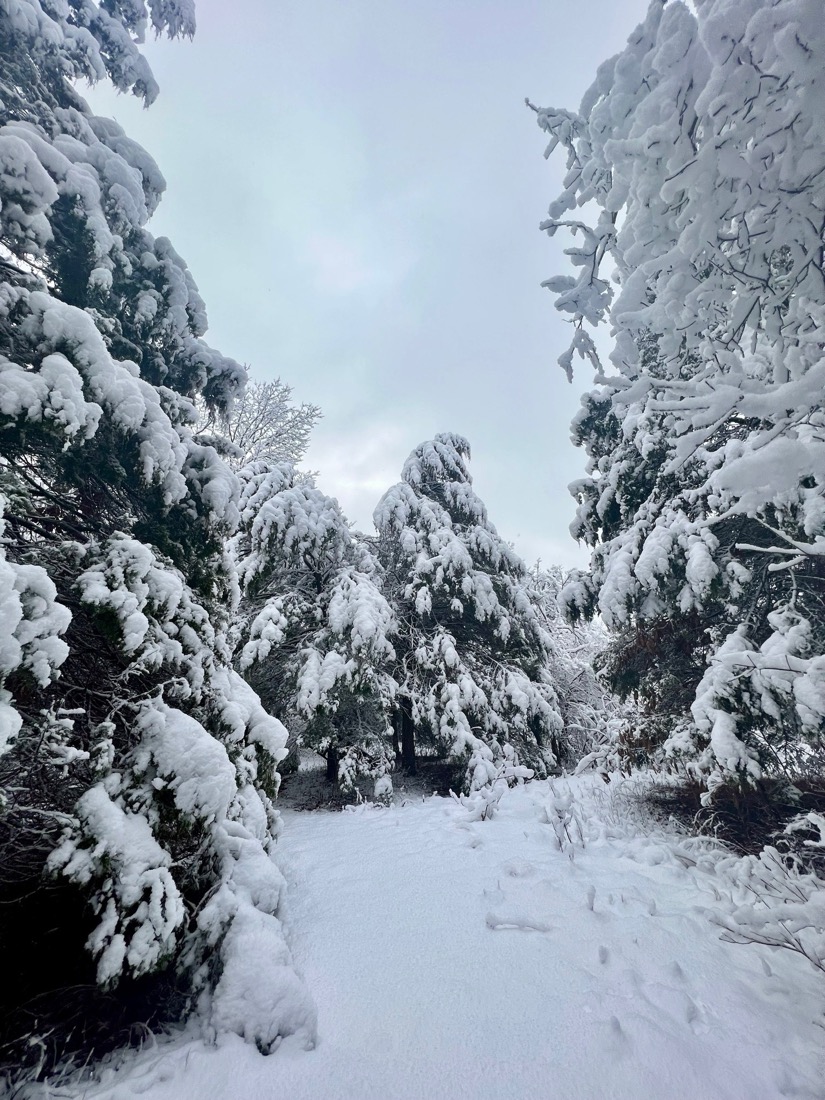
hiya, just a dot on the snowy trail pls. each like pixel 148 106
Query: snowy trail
pixel 478 960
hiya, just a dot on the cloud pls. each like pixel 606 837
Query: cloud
pixel 358 466
pixel 343 265
pixel 340 266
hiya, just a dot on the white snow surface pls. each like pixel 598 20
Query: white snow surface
pixel 564 948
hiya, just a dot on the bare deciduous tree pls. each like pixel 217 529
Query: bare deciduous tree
pixel 264 425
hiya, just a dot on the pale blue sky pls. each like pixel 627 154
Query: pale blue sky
pixel 357 188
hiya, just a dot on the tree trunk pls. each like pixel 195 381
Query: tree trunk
pixel 332 766
pixel 407 740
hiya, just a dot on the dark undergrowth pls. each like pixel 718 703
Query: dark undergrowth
pixel 53 1015
pixel 306 788
pixel 747 819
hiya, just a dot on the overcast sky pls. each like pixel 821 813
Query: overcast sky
pixel 357 187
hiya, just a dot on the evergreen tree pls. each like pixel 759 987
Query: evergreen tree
pixel 137 769
pixel 315 629
pixel 702 146
pixel 471 664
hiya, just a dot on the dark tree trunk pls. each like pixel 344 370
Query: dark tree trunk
pixel 407 740
pixel 332 766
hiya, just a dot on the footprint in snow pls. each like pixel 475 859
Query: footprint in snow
pixel 621 1042
pixel 519 868
pixel 517 921
pixel 695 1017
pixel 496 896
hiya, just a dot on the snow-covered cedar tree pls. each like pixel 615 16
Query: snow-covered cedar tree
pixel 694 192
pixel 471 654
pixel 262 425
pixel 597 722
pixel 315 628
pixel 137 769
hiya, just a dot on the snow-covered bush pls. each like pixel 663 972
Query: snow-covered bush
pixel 694 193
pixel 471 654
pixel 315 631
pixel 778 898
pixel 138 769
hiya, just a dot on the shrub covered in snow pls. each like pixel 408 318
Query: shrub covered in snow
pixel 779 896
pixel 137 769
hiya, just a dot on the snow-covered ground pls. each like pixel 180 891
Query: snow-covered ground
pixel 489 959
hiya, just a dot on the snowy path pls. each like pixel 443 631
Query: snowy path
pixel 453 960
